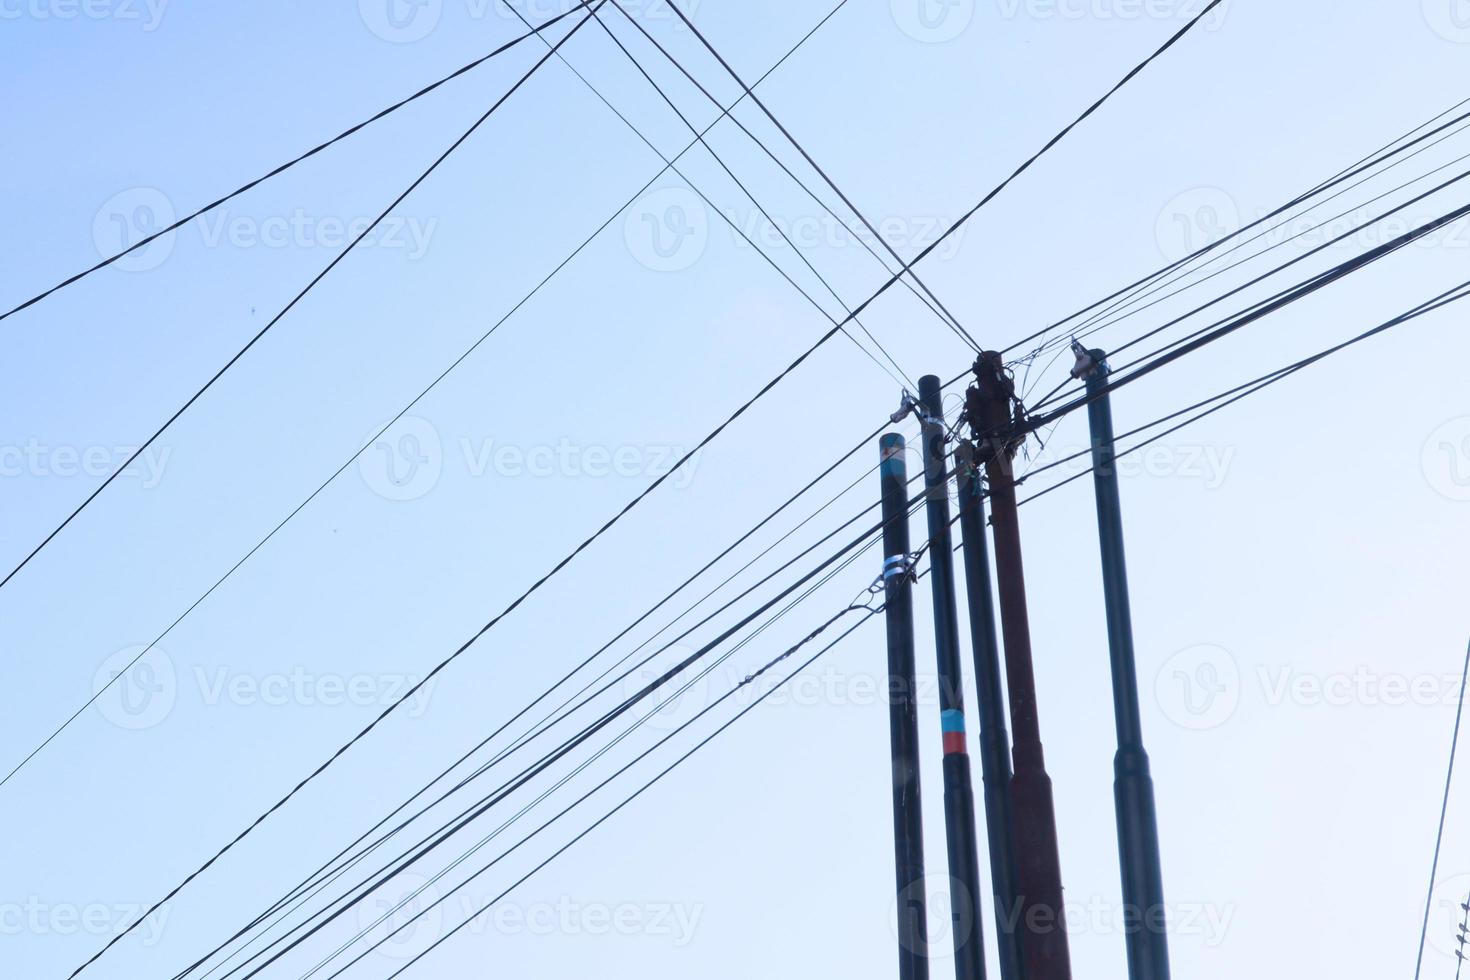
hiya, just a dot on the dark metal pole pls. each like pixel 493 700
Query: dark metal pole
pixel 959 794
pixel 990 710
pixel 1133 787
pixel 1043 925
pixel 903 715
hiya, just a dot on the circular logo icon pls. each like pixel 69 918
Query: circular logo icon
pixel 1450 19
pixel 404 462
pixel 401 21
pixel 1195 219
pixel 667 230
pixel 1446 459
pixel 932 913
pixel 670 705
pixel 136 690
pixel 1199 688
pixel 129 218
pixel 1447 912
pixel 933 21
pixel 401 916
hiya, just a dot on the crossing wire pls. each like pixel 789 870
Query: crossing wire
pixel 562 712
pixel 382 113
pixel 347 250
pixel 644 494
pixel 391 422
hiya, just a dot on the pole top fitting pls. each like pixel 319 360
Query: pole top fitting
pixel 907 405
pixel 1089 362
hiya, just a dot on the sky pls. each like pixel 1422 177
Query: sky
pixel 1294 560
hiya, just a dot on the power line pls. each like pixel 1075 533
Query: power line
pixel 400 414
pixel 529 773
pixel 292 304
pixel 1091 325
pixel 1443 810
pixel 953 321
pixel 699 137
pixel 1346 175
pixel 601 820
pixel 1207 335
pixel 149 239
pixel 582 767
pixel 1239 392
pixel 561 713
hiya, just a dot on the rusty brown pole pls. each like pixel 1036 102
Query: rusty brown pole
pixel 1041 924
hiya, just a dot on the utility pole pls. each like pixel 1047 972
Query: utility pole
pixel 995 748
pixel 959 794
pixel 903 715
pixel 1043 926
pixel 1144 924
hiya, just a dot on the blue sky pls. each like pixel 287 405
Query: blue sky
pixel 1298 597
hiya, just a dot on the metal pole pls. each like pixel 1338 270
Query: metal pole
pixel 959 794
pixel 1145 928
pixel 995 747
pixel 903 715
pixel 1043 926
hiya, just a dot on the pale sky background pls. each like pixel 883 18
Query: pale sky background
pixel 1308 540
